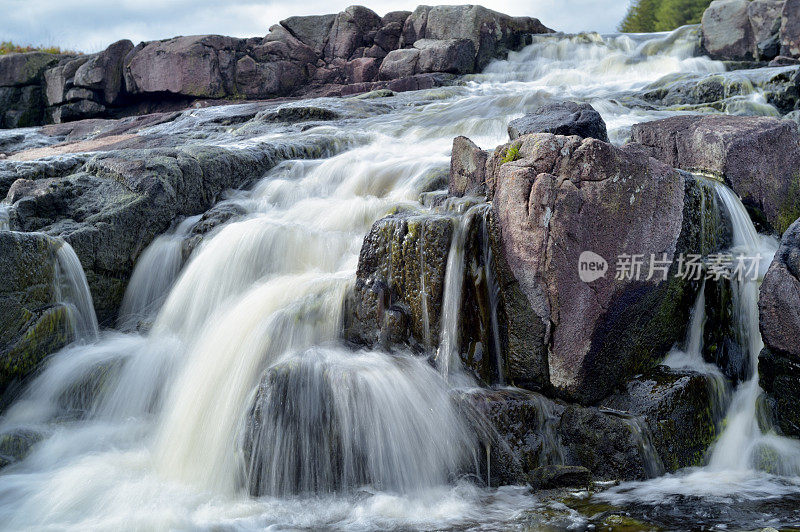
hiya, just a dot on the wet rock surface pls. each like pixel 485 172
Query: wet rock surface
pixel 33 323
pixel 779 305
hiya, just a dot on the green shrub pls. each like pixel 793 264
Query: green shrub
pixel 645 16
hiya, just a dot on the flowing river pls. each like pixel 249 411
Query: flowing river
pixel 160 445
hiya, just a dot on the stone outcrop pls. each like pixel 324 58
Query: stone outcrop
pixel 726 30
pixel 742 30
pixel 779 309
pixel 345 53
pixel 758 157
pixel 33 323
pixel 561 118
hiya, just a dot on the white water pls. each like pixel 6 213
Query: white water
pixel 4 219
pixel 151 437
pixel 746 456
pixel 154 275
pixel 74 290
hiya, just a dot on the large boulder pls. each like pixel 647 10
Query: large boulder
pixel 198 66
pixel 399 64
pixel 103 72
pixel 779 309
pixel 561 118
pixel 352 29
pixel 467 168
pixel 33 324
pixel 790 29
pixel 765 21
pixel 456 56
pixel 727 33
pixel 60 79
pixel 492 33
pixel 565 202
pixel 758 157
pixel 311 30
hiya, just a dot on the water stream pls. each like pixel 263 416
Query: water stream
pixel 145 429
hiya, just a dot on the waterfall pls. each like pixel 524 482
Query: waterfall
pixel 744 444
pixel 330 420
pixel 155 273
pixel 74 290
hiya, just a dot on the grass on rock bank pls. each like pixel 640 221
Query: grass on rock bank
pixel 8 47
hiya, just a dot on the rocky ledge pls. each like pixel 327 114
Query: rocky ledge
pixel 346 53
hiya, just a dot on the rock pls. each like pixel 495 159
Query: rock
pixel 683 409
pixel 388 36
pixel 59 79
pixel 199 66
pixel 353 28
pixel 19 70
pixel 467 168
pixel 560 476
pixel 456 56
pixel 399 64
pixel 779 319
pixel 21 106
pixel 765 21
pixel 362 70
pixel 757 156
pixel 77 111
pixel 726 30
pixel 33 324
pixel 16 445
pixel 264 80
pixel 561 118
pixel 550 443
pixel 392 276
pixel 783 60
pixel 311 30
pixel 104 71
pixel 492 33
pixel 790 28
pixel 555 198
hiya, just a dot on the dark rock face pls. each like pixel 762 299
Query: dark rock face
pixel 400 282
pixel 21 92
pixel 103 72
pixel 546 187
pixel 683 409
pixel 779 309
pixel 535 440
pixel 758 156
pixel 561 118
pixel 727 33
pixel 33 324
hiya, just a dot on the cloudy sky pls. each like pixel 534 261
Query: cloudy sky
pixel 90 25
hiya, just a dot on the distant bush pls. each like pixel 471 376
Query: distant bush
pixel 7 47
pixel 645 16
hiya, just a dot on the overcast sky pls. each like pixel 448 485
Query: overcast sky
pixel 91 25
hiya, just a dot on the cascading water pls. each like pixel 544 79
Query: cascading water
pixel 149 430
pixel 155 272
pixel 4 218
pixel 74 290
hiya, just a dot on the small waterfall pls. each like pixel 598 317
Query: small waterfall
pixel 493 289
pixel 426 320
pixel 448 357
pixel 74 290
pixel 330 420
pixel 743 445
pixel 154 275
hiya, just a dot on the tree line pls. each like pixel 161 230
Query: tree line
pixel 645 16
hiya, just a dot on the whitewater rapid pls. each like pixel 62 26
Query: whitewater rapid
pixel 159 448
